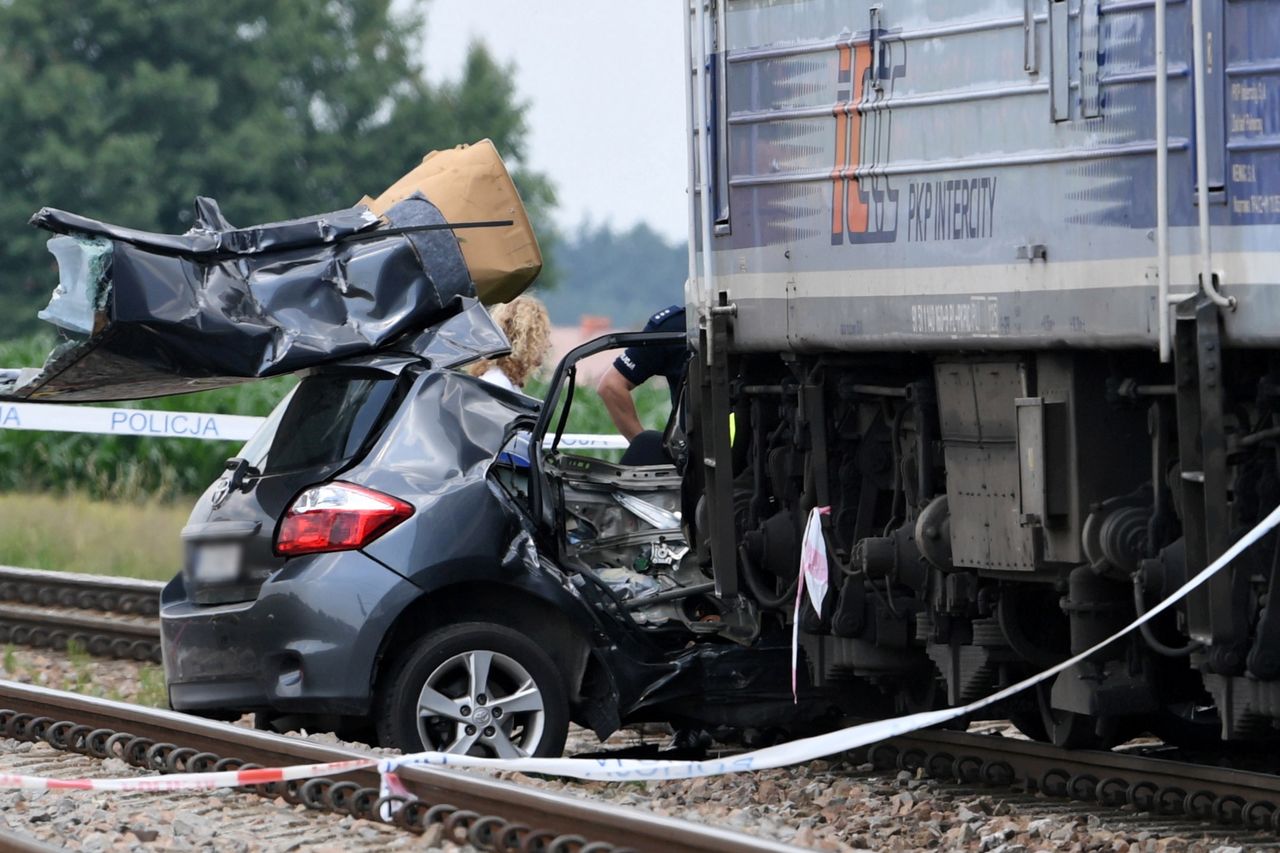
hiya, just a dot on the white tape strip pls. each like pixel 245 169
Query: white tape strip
pixel 52 417
pixel 187 781
pixel 571 441
pixel 818 746
pixel 619 769
pixel 103 421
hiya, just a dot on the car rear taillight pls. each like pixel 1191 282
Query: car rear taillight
pixel 337 517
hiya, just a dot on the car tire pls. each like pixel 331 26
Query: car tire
pixel 430 702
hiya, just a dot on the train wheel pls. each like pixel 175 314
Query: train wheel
pixel 922 692
pixel 1030 723
pixel 1188 724
pixel 1071 730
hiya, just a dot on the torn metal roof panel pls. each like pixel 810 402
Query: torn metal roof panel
pixel 212 236
pixel 157 314
pixel 173 322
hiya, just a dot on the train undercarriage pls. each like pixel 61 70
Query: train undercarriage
pixel 994 513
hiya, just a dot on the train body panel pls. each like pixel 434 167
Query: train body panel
pixel 931 304
pixel 911 174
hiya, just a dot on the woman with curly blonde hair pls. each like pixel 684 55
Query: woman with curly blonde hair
pixel 525 323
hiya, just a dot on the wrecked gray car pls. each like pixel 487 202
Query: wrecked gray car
pixel 402 548
pixel 375 556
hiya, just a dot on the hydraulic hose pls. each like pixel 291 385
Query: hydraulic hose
pixel 766 600
pixel 1140 607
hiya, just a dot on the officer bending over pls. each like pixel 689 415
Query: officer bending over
pixel 634 366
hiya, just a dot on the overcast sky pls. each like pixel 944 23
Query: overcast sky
pixel 603 80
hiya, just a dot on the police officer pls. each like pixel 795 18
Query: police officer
pixel 634 366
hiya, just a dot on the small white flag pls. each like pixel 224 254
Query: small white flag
pixel 813 574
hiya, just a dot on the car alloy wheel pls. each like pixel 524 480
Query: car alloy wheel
pixel 481 703
pixel 474 688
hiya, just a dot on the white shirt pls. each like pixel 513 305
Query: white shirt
pixel 497 377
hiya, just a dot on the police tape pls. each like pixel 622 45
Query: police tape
pixel 584 441
pixel 188 781
pixel 51 417
pixel 817 746
pixel 623 770
pixel 101 420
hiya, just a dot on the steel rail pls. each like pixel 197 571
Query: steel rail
pixel 1112 778
pixel 72 589
pixel 591 821
pixel 26 621
pixel 100 636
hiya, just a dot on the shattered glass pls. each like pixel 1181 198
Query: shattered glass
pixel 83 263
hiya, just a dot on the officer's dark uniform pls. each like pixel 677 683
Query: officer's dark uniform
pixel 638 364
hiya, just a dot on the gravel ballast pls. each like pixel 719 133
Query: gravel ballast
pixel 824 805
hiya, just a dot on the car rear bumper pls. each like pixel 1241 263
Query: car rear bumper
pixel 308 643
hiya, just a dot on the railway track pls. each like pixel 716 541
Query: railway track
pixel 51 608
pixel 1149 779
pixel 486 813
pixel 105 616
pixel 75 590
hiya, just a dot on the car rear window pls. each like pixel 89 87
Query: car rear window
pixel 326 420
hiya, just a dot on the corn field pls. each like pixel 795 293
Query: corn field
pixel 122 467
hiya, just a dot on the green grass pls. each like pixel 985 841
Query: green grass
pixel 588 414
pixel 77 653
pixel 78 657
pixel 81 534
pixel 653 404
pixel 151 689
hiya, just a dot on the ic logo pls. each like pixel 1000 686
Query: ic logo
pixel 864 207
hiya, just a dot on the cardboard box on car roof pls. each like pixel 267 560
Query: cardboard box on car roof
pixel 470 183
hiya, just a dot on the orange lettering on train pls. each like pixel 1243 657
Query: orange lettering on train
pixel 848 210
pixel 842 146
pixel 856 207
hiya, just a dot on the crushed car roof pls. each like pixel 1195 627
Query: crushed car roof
pixel 146 315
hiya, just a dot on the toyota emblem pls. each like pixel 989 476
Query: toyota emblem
pixel 220 492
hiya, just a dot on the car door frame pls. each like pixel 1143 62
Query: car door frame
pixel 541 501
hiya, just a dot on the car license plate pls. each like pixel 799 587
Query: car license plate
pixel 217 562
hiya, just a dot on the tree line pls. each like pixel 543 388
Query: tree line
pixel 625 275
pixel 125 110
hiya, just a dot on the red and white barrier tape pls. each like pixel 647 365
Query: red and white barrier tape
pixel 188 781
pixel 620 770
